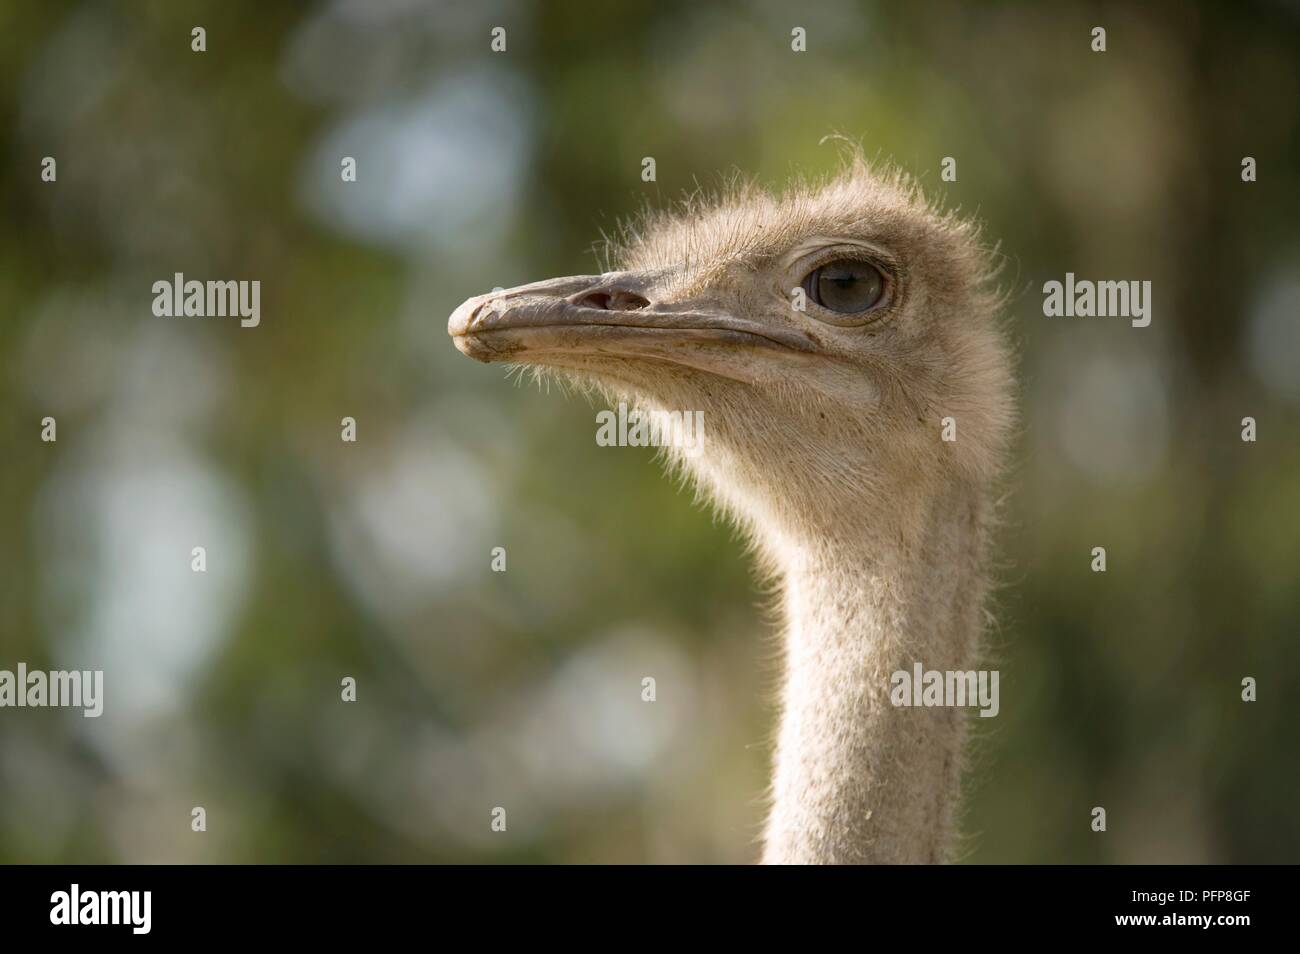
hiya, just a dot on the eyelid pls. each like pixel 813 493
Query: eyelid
pixel 881 259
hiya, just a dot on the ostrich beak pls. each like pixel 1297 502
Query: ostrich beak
pixel 613 314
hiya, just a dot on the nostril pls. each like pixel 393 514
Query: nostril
pixel 629 301
pixel 615 299
pixel 598 299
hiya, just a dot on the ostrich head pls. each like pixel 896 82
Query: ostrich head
pixel 825 334
pixel 841 343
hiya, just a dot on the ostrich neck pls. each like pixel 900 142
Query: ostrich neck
pixel 856 779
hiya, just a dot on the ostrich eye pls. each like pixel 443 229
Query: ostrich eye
pixel 846 286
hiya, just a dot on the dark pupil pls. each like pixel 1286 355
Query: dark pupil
pixel 848 286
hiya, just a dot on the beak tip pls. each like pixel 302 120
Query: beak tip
pixel 462 319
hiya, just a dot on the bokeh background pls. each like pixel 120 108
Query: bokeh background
pixel 522 689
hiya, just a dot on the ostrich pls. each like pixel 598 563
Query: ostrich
pixel 831 335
